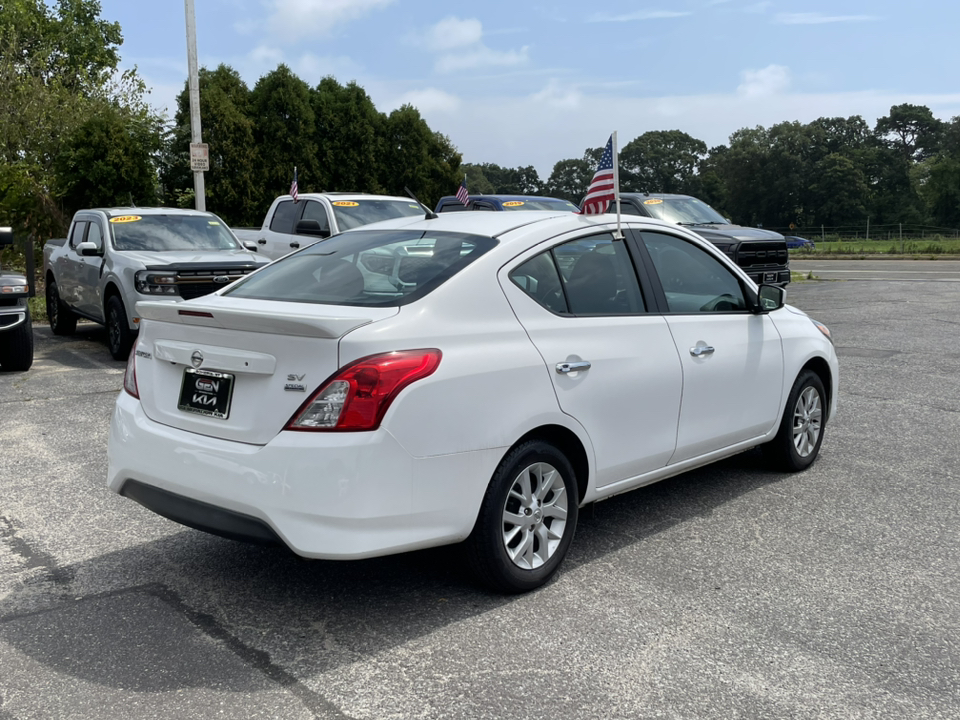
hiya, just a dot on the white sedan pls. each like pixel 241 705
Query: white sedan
pixel 473 377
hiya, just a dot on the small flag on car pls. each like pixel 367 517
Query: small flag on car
pixel 293 185
pixel 462 194
pixel 602 188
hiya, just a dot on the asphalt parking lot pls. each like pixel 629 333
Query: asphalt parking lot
pixel 728 592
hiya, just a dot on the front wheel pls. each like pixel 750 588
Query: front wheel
pixel 119 335
pixel 797 443
pixel 527 519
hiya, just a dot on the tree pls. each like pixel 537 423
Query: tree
pixel 231 185
pixel 912 130
pixel 839 192
pixel 942 192
pixel 664 161
pixel 285 131
pixel 417 158
pixel 477 182
pixel 570 179
pixel 348 136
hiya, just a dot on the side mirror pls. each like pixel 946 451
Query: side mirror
pixel 88 249
pixel 770 298
pixel 251 246
pixel 312 227
pixel 6 236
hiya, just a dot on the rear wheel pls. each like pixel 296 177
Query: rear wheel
pixel 62 319
pixel 16 347
pixel 119 335
pixel 797 443
pixel 527 519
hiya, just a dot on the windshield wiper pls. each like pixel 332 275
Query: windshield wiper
pixel 696 224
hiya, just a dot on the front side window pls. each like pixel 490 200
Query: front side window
pixel 587 276
pixel 366 268
pixel 316 211
pixel 692 279
pixel 171 233
pixel 94 235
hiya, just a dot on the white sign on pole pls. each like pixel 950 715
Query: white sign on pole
pixel 199 157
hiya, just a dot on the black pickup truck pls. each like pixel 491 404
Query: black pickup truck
pixel 16 330
pixel 761 253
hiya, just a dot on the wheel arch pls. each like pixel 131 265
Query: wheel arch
pixel 821 368
pixel 569 444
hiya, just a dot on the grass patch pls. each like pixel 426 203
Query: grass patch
pixel 929 247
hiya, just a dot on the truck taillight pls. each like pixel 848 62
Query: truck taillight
pixel 130 374
pixel 358 396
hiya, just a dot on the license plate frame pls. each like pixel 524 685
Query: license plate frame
pixel 770 277
pixel 206 392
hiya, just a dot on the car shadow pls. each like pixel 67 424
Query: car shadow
pixel 190 587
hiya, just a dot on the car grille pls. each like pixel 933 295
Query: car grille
pixel 762 254
pixel 196 283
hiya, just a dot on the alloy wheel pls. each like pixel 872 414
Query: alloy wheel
pixel 535 515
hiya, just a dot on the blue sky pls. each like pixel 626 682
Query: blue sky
pixel 531 83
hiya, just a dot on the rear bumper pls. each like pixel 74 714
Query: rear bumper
pixel 324 495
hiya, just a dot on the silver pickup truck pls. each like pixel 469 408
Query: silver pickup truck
pixel 114 257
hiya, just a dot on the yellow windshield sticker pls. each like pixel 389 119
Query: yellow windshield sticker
pixel 416 207
pixel 212 222
pixel 346 203
pixel 126 218
pixel 513 203
pixel 653 201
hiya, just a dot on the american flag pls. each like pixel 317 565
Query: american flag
pixel 601 191
pixel 293 185
pixel 462 194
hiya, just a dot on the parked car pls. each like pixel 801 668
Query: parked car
pixel 450 203
pixel 457 379
pixel 798 242
pixel 761 253
pixel 290 225
pixel 16 329
pixel 114 257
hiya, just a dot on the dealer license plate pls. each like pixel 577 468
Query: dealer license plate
pixel 206 393
pixel 770 277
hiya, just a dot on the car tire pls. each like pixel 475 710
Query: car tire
pixel 62 319
pixel 119 335
pixel 798 440
pixel 16 347
pixel 535 486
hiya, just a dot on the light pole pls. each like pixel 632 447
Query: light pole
pixel 199 159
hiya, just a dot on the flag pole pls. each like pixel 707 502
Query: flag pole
pixel 616 184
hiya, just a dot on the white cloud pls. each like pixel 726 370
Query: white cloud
pixel 771 80
pixel 296 20
pixel 266 56
pixel 460 46
pixel 480 56
pixel 558 95
pixel 820 18
pixel 639 15
pixel 452 33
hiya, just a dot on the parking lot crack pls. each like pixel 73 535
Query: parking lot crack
pixel 31 556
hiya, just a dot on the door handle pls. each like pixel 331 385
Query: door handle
pixel 701 350
pixel 294 245
pixel 261 241
pixel 566 367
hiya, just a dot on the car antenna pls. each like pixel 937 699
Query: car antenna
pixel 431 215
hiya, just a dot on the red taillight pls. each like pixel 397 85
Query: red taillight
pixel 358 395
pixel 130 374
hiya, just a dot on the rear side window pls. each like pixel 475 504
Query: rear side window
pixel 284 217
pixel 367 268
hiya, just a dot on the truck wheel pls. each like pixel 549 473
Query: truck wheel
pixel 119 335
pixel 62 319
pixel 16 347
pixel 526 520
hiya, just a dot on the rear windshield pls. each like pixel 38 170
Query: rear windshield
pixel 354 213
pixel 367 268
pixel 169 233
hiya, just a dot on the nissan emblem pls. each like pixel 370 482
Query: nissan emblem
pixel 196 358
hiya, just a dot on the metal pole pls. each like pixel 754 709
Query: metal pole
pixel 901 238
pixel 194 83
pixel 868 227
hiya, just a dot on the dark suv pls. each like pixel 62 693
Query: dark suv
pixel 761 253
pixel 16 330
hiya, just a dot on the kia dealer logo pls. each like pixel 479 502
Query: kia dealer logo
pixel 196 358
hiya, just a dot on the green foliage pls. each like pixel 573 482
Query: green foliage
pixel 570 179
pixel 663 161
pixel 348 136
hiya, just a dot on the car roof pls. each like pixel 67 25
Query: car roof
pixel 655 195
pixel 511 227
pixel 346 196
pixel 118 211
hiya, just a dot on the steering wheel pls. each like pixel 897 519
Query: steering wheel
pixel 720 303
